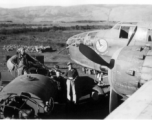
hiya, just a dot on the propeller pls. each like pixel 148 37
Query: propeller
pixel 132 36
pixel 93 56
pixel 113 102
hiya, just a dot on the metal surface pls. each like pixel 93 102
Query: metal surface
pixel 28 96
pixel 128 70
pixel 138 106
pixel 39 85
pixel 120 35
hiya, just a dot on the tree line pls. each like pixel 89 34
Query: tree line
pixel 17 30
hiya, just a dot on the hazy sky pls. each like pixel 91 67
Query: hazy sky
pixel 24 3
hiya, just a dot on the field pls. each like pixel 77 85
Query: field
pixel 54 36
pixel 44 34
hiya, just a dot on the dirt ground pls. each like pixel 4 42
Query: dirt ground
pixel 84 110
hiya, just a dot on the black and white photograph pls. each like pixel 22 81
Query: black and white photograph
pixel 75 59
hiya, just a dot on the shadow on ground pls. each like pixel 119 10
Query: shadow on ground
pixel 86 109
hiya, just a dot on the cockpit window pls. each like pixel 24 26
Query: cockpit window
pixel 92 34
pixel 124 32
pixel 80 35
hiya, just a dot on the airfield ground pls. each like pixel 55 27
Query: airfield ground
pixel 85 110
pixel 56 39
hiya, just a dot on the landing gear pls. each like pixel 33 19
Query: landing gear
pixel 97 75
pixel 84 69
pixel 97 93
pixel 87 71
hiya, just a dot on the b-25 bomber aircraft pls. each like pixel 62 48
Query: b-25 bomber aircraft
pixel 126 54
pixel 106 42
pixel 34 94
pixel 129 75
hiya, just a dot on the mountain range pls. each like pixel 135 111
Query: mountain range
pixel 131 13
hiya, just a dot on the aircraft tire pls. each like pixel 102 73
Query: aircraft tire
pixel 97 93
pixel 50 107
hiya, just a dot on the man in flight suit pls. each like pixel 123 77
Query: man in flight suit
pixel 71 75
pixel 21 61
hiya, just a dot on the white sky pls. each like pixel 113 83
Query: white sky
pixel 24 3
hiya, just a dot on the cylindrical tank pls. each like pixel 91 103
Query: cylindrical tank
pixel 31 93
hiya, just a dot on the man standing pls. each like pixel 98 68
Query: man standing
pixel 57 75
pixel 21 61
pixel 71 75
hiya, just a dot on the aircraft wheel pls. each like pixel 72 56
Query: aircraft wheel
pixel 49 106
pixel 97 93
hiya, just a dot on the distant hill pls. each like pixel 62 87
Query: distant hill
pixel 50 14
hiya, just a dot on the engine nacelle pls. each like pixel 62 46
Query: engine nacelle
pixel 132 67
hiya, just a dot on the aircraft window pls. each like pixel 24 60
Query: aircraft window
pixel 117 27
pixel 80 35
pixel 149 38
pixel 75 36
pixel 92 34
pixel 150 35
pixel 124 32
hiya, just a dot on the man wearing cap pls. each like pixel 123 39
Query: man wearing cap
pixel 56 75
pixel 71 75
pixel 55 71
pixel 21 61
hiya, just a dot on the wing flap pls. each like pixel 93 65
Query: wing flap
pixel 137 106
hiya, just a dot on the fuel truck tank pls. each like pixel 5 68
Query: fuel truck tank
pixel 28 96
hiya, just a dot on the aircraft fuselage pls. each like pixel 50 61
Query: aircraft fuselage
pixel 107 42
pixel 132 68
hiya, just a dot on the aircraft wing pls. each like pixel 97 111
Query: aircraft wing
pixel 137 106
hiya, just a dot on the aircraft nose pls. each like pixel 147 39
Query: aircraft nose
pixel 69 41
pixel 79 38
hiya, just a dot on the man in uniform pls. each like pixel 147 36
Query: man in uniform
pixel 21 61
pixel 71 75
pixel 56 75
pixel 55 71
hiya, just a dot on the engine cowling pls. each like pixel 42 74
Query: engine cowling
pixel 132 67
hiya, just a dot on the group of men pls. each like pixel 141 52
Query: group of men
pixel 22 62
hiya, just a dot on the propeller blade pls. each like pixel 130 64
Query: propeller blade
pixel 92 55
pixel 113 102
pixel 132 36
